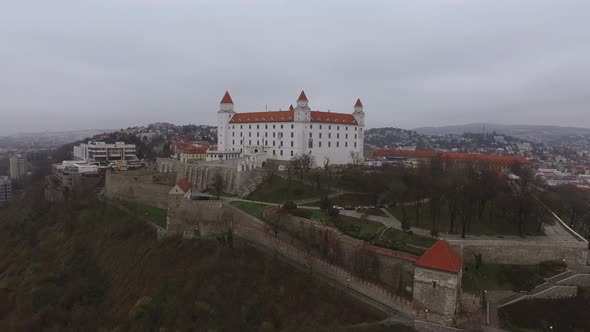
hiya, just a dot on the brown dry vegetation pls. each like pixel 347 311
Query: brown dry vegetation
pixel 87 266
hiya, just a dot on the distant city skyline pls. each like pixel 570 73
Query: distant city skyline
pixel 70 65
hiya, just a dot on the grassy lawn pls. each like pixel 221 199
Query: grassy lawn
pixel 499 226
pixel 507 277
pixel 254 209
pixel 280 191
pixel 405 241
pixel 154 214
pixel 540 315
pixel 358 228
pixel 348 200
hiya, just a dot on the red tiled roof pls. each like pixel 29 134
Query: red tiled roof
pixel 302 97
pixel 455 156
pixel 441 257
pixel 184 185
pixel 273 116
pixel 358 103
pixel 194 149
pixel 226 99
pixel 329 117
pixel 288 116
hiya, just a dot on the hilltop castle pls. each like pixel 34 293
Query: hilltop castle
pixel 282 135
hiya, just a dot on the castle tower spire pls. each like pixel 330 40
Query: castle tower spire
pixel 226 104
pixel 358 113
pixel 302 101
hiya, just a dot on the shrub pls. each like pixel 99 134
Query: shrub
pixel 290 205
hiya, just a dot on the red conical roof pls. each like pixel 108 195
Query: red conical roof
pixel 302 97
pixel 441 257
pixel 226 99
pixel 291 108
pixel 358 103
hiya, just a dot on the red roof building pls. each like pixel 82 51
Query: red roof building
pixel 451 156
pixel 441 257
pixel 184 185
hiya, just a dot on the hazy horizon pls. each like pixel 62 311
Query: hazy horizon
pixel 71 65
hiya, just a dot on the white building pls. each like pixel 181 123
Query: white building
pixel 5 189
pixel 70 173
pixel 101 151
pixel 282 135
pixel 18 167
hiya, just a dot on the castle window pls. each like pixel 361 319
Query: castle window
pixel 240 134
pixel 310 143
pixel 274 152
pixel 281 152
pixel 233 142
pixel 257 134
pixel 355 144
pixel 274 134
pixel 240 126
pixel 337 135
pixel 249 134
pixel 250 142
pixel 266 134
pixel 329 135
pixel 320 135
pixel 291 125
pixel 281 126
pixel 346 136
pixel 265 126
pixel 273 143
pixel 329 127
pixel 320 126
pixel 273 126
pixel 345 144
pixel 233 134
pixel 338 128
pixel 434 284
pixel 291 143
pixel 310 126
pixel 310 136
pixel 337 144
pixel 249 126
pixel 329 144
pixel 291 134
pixel 319 144
pixel 258 126
pixel 354 136
pixel 291 153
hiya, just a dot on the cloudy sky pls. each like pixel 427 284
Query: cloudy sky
pixel 85 64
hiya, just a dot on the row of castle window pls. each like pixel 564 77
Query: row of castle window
pixel 310 143
pixel 233 134
pixel 292 126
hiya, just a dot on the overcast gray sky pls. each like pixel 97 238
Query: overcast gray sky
pixel 84 64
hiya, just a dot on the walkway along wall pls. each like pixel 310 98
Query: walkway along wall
pixel 249 229
pixel 392 268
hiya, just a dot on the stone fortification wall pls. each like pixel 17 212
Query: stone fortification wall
pixel 201 176
pixel 394 269
pixel 202 217
pixel 262 235
pixel 146 188
pixel 522 251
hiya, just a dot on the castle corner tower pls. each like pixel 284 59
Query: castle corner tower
pixel 224 115
pixel 302 111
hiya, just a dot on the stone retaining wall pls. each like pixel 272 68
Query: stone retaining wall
pixel 523 251
pixel 146 188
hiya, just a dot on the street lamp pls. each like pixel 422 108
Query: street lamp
pixel 348 282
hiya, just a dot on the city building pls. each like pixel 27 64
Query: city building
pixel 193 153
pixel 5 189
pixel 18 167
pixel 503 163
pixel 71 173
pixel 101 151
pixel 284 134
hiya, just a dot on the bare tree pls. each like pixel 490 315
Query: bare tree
pixel 355 157
pixel 217 185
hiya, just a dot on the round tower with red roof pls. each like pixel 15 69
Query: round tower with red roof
pixel 359 114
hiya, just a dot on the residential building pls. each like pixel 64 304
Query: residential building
pixel 284 134
pixel 193 153
pixel 18 167
pixel 102 152
pixel 5 189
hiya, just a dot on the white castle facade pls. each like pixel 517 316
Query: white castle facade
pixel 282 135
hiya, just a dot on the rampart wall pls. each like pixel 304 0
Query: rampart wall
pixel 247 228
pixel 392 268
pixel 150 189
pixel 523 251
pixel 202 175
